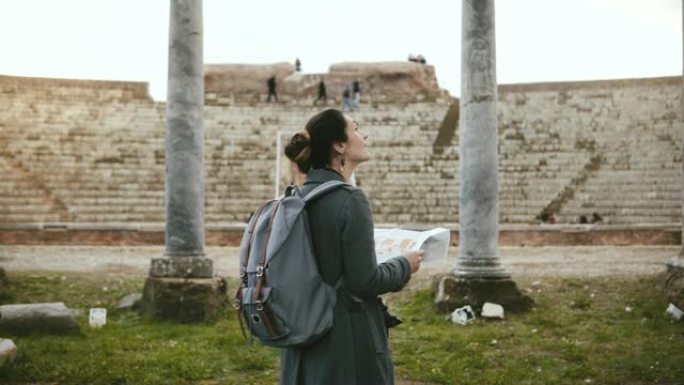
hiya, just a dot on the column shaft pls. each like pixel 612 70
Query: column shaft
pixel 185 132
pixel 478 205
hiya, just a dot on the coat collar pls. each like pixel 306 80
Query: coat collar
pixel 321 175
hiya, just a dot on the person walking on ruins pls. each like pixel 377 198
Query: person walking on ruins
pixel 356 350
pixel 271 82
pixel 298 65
pixel 346 99
pixel 322 93
pixel 356 88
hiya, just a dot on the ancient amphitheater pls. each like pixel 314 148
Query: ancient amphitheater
pixel 85 155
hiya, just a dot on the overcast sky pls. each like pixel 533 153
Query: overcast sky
pixel 537 40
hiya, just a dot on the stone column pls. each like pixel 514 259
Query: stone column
pixel 478 277
pixel 478 136
pixel 674 277
pixel 681 121
pixel 181 285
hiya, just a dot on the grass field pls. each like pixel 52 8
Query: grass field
pixel 599 331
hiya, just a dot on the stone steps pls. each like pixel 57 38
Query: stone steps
pixel 119 217
pixel 104 159
pixel 624 219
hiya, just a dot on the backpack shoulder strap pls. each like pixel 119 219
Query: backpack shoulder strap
pixel 324 189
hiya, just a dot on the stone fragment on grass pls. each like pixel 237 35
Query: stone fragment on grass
pixel 492 311
pixel 462 315
pixel 40 318
pixel 129 302
pixel 8 351
pixel 674 312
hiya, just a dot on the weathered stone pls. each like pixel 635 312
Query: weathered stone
pixel 462 315
pixel 634 130
pixel 674 282
pixel 382 82
pixel 479 190
pixel 387 82
pixel 453 292
pixel 8 351
pixel 185 132
pixel 674 312
pixel 492 310
pixel 188 267
pixel 42 318
pixel 230 83
pixel 131 301
pixel 184 300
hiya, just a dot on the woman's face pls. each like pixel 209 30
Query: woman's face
pixel 356 150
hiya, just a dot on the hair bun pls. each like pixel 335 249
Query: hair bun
pixel 299 150
pixel 300 139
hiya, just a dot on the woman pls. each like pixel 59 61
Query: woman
pixel 356 350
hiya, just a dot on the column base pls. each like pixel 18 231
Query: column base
pixel 184 300
pixel 674 282
pixel 455 291
pixel 186 267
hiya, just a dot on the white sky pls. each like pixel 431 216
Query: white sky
pixel 537 40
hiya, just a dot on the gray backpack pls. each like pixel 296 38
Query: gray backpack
pixel 282 298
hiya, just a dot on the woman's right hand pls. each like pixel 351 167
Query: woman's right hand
pixel 414 258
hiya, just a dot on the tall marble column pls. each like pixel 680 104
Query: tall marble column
pixel 185 132
pixel 674 276
pixel 181 285
pixel 479 191
pixel 681 253
pixel 478 276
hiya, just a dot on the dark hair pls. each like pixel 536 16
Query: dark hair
pixel 313 148
pixel 297 151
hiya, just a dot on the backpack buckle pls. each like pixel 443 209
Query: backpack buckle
pixel 260 271
pixel 259 306
pixel 237 304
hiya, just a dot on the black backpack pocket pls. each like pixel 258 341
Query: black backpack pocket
pixel 261 316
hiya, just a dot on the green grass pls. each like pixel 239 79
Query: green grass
pixel 579 331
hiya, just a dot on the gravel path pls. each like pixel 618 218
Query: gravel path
pixel 581 261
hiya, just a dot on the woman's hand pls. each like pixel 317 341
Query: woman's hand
pixel 414 258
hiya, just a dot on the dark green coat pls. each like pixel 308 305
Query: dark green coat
pixel 355 351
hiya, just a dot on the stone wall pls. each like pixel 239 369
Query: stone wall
pixel 383 82
pixel 86 151
pixel 611 147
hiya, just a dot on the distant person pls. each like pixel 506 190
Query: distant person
pixel 356 88
pixel 271 82
pixel 596 218
pixel 547 217
pixel 583 219
pixel 417 59
pixel 346 99
pixel 322 93
pixel 298 65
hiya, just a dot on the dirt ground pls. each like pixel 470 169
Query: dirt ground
pixel 578 261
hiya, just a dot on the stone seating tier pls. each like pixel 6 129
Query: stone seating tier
pixel 95 154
